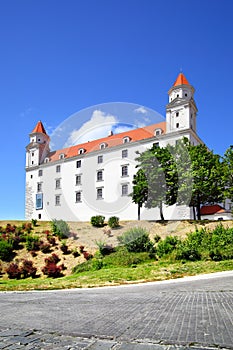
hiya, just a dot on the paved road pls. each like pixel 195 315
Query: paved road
pixel 184 313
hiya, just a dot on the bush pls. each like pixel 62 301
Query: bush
pixel 6 249
pixel 44 247
pixel 167 245
pixel 157 238
pixel 97 221
pixel 51 269
pixel 32 242
pixel 104 248
pixel 60 228
pixel 64 248
pixel 34 222
pixel 87 255
pixel 54 258
pixel 113 222
pixel 136 240
pixel 123 258
pixel 187 251
pixel 28 270
pixel 13 271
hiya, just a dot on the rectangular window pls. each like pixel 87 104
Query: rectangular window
pixel 40 172
pixel 39 201
pixel 156 144
pixel 78 164
pixel 124 170
pixel 58 169
pixel 124 190
pixel 99 193
pixel 57 200
pixel 78 196
pixel 39 187
pixel 78 179
pixel 100 175
pixel 100 159
pixel 124 153
pixel 58 184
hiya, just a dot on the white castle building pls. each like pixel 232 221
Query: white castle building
pixel 95 178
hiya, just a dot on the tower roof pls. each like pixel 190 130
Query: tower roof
pixel 39 128
pixel 181 80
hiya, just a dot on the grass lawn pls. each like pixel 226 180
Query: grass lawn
pixel 145 272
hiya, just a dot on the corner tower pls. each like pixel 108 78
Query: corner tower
pixel 181 110
pixel 38 148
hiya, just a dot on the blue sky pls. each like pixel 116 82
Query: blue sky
pixel 59 57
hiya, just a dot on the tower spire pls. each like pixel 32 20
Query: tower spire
pixel 181 80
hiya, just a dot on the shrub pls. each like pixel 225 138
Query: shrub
pixel 44 247
pixel 64 248
pixel 27 227
pixel 34 222
pixel 136 240
pixel 54 258
pixel 104 248
pixel 51 240
pixel 75 253
pixel 60 228
pixel 113 222
pixel 27 269
pixel 124 258
pixel 187 251
pixel 97 264
pixel 52 270
pixel 97 221
pixel 157 238
pixel 6 249
pixel 13 271
pixel 167 245
pixel 81 247
pixel 87 255
pixel 32 242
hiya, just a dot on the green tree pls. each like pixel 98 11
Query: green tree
pixel 140 190
pixel 159 168
pixel 207 176
pixel 228 173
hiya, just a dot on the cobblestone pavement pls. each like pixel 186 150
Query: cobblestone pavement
pixel 194 313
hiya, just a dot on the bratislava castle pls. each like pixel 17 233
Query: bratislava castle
pixel 95 178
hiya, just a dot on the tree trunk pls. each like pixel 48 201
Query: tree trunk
pixel 139 211
pixel 198 208
pixel 161 210
pixel 194 213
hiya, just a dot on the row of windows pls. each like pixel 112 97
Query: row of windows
pixel 99 194
pixel 124 154
pixel 78 181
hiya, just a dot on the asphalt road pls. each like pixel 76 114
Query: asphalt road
pixel 185 312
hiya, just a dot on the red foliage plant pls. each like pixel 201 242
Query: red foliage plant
pixel 13 271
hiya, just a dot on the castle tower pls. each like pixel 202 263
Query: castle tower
pixel 181 110
pixel 38 148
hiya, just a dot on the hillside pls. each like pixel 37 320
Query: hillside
pixel 83 234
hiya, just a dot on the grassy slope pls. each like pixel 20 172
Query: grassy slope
pixel 86 235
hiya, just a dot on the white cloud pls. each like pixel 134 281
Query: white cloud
pixel 141 110
pixel 98 126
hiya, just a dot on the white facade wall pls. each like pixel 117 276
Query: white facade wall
pixel 113 203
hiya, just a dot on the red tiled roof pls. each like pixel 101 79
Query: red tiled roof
pixel 181 80
pixel 39 128
pixel 111 141
pixel 212 209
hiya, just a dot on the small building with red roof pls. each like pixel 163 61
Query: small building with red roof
pixel 215 212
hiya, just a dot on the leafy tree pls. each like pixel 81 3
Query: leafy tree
pixel 228 173
pixel 160 183
pixel 140 190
